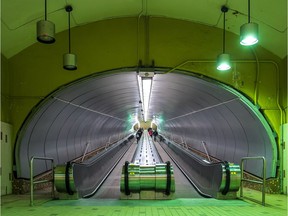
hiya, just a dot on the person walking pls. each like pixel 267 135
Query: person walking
pixel 150 132
pixel 155 134
pixel 138 135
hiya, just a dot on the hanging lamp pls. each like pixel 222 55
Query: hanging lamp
pixel 45 30
pixel 249 31
pixel 223 60
pixel 69 59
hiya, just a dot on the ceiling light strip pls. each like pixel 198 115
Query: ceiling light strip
pixel 147 84
pixel 145 80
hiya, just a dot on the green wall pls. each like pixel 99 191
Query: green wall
pixel 120 43
pixel 6 131
pixel 5 90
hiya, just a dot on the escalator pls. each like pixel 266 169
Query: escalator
pixel 103 177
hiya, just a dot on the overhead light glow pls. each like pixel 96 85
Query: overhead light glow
pixel 249 31
pixel 137 121
pixel 223 62
pixel 140 89
pixel 145 86
pixel 249 34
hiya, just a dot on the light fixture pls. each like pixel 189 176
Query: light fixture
pixel 45 30
pixel 69 59
pixel 145 85
pixel 223 60
pixel 249 31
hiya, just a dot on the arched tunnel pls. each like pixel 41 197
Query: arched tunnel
pixel 87 120
pixel 105 107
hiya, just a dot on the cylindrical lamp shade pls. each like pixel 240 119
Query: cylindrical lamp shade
pixel 223 62
pixel 45 32
pixel 249 34
pixel 69 61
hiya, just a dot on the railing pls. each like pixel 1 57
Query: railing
pixel 85 152
pixel 204 146
pixel 32 182
pixel 184 143
pixel 263 182
pixel 179 141
pixel 113 142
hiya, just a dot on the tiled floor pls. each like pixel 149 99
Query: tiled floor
pixel 19 205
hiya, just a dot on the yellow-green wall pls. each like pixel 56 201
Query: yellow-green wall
pixel 6 129
pixel 118 43
pixel 5 90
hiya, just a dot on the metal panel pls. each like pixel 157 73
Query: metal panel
pixel 230 126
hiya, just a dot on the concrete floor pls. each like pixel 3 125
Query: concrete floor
pixel 19 205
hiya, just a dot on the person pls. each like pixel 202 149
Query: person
pixel 138 135
pixel 155 134
pixel 150 132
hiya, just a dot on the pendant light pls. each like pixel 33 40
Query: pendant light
pixel 69 59
pixel 45 30
pixel 223 60
pixel 249 31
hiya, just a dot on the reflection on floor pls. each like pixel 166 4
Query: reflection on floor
pixel 15 205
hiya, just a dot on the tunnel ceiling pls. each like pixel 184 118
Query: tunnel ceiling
pixel 99 109
pixel 19 17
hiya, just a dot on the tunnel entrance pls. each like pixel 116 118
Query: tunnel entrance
pixel 102 108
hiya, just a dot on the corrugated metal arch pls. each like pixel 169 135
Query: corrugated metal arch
pixel 99 107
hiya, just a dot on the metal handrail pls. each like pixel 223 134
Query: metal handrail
pixel 184 143
pixel 204 146
pixel 32 182
pixel 113 142
pixel 85 152
pixel 263 182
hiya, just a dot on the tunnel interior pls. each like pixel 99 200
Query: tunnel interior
pixel 101 108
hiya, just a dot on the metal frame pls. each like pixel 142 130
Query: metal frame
pixel 263 182
pixel 32 182
pixel 85 152
pixel 206 151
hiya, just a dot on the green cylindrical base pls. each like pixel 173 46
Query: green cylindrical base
pixel 136 178
pixel 61 180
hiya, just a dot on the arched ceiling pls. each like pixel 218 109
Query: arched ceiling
pixel 102 108
pixel 18 17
